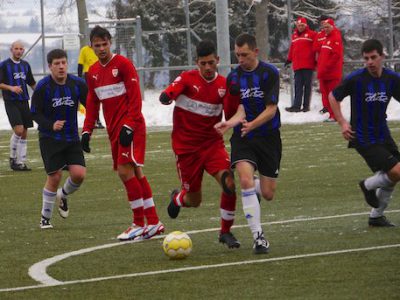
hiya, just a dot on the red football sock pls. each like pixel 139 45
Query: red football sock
pixel 227 208
pixel 179 198
pixel 135 198
pixel 148 202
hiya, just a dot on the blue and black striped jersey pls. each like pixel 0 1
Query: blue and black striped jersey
pixel 52 102
pixel 16 74
pixel 369 98
pixel 258 88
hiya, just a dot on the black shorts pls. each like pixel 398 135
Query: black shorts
pixel 264 153
pixel 58 154
pixel 380 157
pixel 18 113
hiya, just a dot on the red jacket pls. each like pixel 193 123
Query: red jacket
pixel 301 50
pixel 330 59
pixel 319 40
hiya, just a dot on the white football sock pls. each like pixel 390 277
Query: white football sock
pixel 69 187
pixel 14 142
pixel 384 195
pixel 49 198
pixel 380 179
pixel 257 185
pixel 21 151
pixel 251 209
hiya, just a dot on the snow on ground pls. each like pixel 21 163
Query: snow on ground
pixel 157 114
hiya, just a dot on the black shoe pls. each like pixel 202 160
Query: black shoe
pixel 261 245
pixel 173 209
pixel 99 125
pixel 380 222
pixel 20 167
pixel 370 196
pixel 293 109
pixel 45 223
pixel 305 109
pixel 229 239
pixel 63 204
pixel 324 110
pixel 13 161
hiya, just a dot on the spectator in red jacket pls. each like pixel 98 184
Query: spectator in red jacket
pixel 319 39
pixel 302 57
pixel 330 63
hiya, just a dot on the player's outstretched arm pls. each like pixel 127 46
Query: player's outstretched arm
pixel 236 119
pixel 165 99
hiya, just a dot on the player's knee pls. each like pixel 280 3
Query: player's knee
pixel 19 130
pixel 394 173
pixel 246 182
pixel 268 195
pixel 228 183
pixel 78 177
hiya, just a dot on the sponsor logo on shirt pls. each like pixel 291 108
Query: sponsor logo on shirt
pixel 95 76
pixel 252 92
pixel 376 97
pixel 110 91
pixel 67 101
pixel 196 88
pixel 19 75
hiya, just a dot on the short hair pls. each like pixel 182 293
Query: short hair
pixel 371 45
pixel 323 18
pixel 246 38
pixel 56 54
pixel 99 32
pixel 16 42
pixel 205 48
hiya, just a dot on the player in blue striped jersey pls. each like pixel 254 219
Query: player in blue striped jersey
pixel 15 76
pixel 256 142
pixel 54 107
pixel 370 90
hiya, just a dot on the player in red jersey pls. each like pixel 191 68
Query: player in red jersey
pixel 113 82
pixel 199 96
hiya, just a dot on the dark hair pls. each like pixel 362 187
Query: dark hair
pixel 205 48
pixel 55 54
pixel 246 38
pixel 323 18
pixel 371 45
pixel 100 32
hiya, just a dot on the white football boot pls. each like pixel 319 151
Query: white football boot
pixel 62 204
pixel 152 230
pixel 133 232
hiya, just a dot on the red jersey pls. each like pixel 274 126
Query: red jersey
pixel 301 52
pixel 318 41
pixel 198 107
pixel 330 60
pixel 116 86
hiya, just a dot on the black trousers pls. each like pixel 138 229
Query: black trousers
pixel 302 88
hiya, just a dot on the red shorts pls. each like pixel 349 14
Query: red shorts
pixel 134 153
pixel 191 166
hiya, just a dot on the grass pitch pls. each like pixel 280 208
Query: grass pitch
pixel 318 212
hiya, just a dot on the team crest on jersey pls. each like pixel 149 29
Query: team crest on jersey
pixel 221 92
pixel 306 35
pixel 114 72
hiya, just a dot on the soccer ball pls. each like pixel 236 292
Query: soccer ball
pixel 177 245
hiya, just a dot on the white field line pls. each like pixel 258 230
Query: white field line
pixel 38 270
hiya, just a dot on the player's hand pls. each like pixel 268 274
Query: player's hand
pixel 246 127
pixel 347 132
pixel 221 127
pixel 58 125
pixel 85 142
pixel 16 89
pixel 126 136
pixel 165 99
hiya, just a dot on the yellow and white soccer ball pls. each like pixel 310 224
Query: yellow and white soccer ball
pixel 177 245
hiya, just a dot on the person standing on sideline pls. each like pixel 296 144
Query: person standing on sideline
pixel 370 90
pixel 199 96
pixel 114 83
pixel 15 76
pixel 256 142
pixel 55 103
pixel 330 63
pixel 86 58
pixel 318 41
pixel 302 57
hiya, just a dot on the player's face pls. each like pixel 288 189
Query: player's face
pixel 301 27
pixel 373 62
pixel 208 66
pixel 102 48
pixel 58 69
pixel 17 50
pixel 247 57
